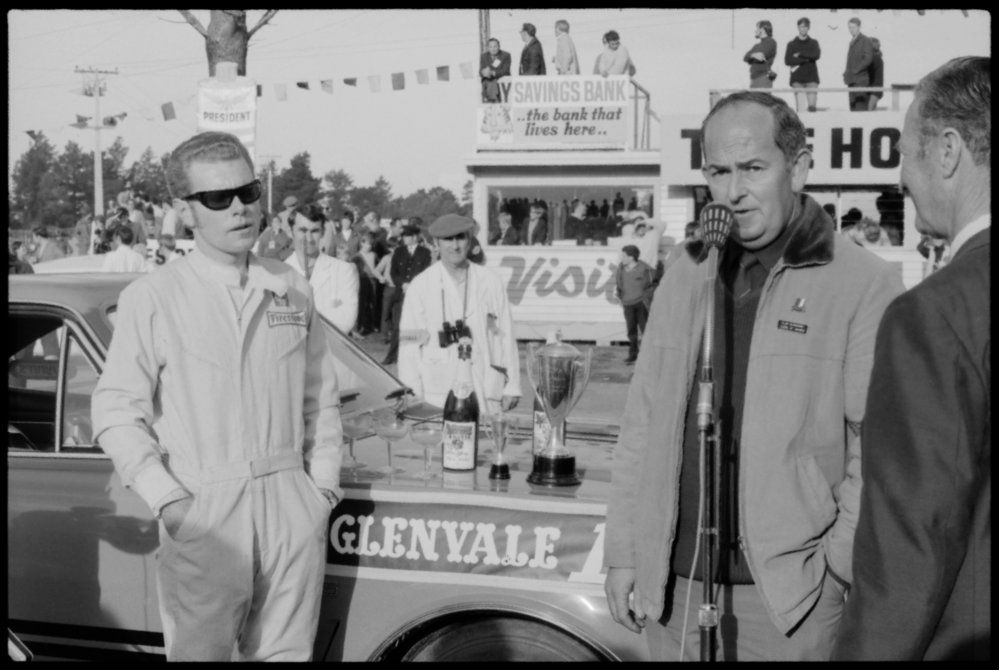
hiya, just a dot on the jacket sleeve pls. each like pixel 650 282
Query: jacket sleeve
pixel 122 402
pixel 412 320
pixel 322 448
pixel 924 439
pixel 789 58
pixel 504 68
pixel 838 541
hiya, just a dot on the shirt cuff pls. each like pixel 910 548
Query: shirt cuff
pixel 173 496
pixel 154 483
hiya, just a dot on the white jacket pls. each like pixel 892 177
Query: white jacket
pixel 335 287
pixel 430 370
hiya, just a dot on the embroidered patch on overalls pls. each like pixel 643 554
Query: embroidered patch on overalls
pixel 793 327
pixel 286 319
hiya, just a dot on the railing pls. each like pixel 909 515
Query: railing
pixel 642 135
pixel 896 91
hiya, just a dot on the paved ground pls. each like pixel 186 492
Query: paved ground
pixel 601 402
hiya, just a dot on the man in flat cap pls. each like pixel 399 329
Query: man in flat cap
pixel 456 298
pixel 532 57
pixel 408 260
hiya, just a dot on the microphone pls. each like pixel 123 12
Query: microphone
pixel 716 225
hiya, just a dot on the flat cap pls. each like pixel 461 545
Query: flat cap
pixel 290 201
pixel 451 224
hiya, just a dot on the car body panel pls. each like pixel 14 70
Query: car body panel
pixel 403 552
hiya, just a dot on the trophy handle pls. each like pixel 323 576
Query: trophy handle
pixel 533 373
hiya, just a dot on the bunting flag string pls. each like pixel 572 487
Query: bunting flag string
pixel 168 110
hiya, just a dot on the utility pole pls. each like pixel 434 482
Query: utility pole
pixel 95 86
pixel 483 29
pixel 270 158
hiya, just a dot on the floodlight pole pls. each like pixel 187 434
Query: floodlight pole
pixel 96 87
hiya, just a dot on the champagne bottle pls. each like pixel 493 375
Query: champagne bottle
pixel 461 415
pixel 542 426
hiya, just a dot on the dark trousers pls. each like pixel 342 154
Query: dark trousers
pixel 858 101
pixel 388 295
pixel 368 308
pixel 635 317
pixel 393 304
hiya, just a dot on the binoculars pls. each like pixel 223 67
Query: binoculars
pixel 450 334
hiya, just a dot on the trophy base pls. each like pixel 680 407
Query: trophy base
pixel 554 471
pixel 499 471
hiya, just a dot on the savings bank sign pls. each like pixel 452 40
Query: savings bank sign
pixel 556 112
pixel 848 148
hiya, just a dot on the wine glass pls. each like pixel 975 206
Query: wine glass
pixel 498 419
pixel 354 426
pixel 428 434
pixel 390 425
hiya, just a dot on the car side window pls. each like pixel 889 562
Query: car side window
pixel 32 380
pixel 80 381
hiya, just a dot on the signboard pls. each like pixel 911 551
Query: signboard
pixel 848 148
pixel 228 104
pixel 556 112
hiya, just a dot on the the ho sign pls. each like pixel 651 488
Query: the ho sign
pixel 848 148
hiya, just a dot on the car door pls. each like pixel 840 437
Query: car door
pixel 80 546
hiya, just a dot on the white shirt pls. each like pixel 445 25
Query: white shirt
pixel 190 375
pixel 169 226
pixel 335 286
pixel 124 259
pixel 430 370
pixel 969 231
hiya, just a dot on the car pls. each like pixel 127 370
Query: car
pixel 421 564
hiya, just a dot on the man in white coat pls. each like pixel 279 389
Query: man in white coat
pixel 219 407
pixel 122 257
pixel 334 282
pixel 450 291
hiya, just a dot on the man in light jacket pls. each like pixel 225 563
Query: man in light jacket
pixel 797 309
pixel 565 58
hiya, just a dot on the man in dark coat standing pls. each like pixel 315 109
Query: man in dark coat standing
pixel 493 64
pixel 532 57
pixel 408 260
pixel 858 63
pixel 922 553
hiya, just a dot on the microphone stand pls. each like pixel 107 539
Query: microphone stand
pixel 707 615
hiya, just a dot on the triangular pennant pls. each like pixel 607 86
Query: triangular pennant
pixel 33 134
pixel 422 77
pixel 327 85
pixel 110 122
pixel 82 119
pixel 350 81
pixel 281 92
pixel 466 70
pixel 398 81
pixel 146 113
pixel 375 82
pixel 168 111
pixel 260 91
pixel 443 73
pixel 302 84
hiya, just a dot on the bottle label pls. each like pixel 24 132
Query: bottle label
pixel 459 445
pixel 542 431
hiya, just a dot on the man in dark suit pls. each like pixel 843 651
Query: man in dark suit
pixel 535 231
pixel 922 557
pixel 858 63
pixel 493 64
pixel 506 234
pixel 577 226
pixel 532 58
pixel 408 260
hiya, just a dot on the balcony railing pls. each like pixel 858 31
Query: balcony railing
pixel 894 94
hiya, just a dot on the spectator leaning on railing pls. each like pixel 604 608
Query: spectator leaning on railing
pixel 615 58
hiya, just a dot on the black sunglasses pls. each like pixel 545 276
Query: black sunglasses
pixel 219 200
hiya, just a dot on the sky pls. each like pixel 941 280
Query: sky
pixel 423 135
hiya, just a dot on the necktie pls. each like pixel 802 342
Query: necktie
pixel 750 276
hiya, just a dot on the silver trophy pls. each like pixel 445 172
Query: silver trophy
pixel 558 373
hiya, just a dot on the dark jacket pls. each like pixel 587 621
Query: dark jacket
pixel 808 52
pixel 499 65
pixel 922 557
pixel 532 58
pixel 540 235
pixel 404 266
pixel 510 237
pixel 858 60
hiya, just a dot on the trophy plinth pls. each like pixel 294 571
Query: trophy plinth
pixel 558 373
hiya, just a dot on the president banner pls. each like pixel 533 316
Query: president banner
pixel 229 107
pixel 556 112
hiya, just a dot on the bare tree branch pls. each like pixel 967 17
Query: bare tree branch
pixel 193 20
pixel 263 20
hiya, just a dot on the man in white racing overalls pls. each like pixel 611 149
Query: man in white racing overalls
pixel 219 407
pixel 451 295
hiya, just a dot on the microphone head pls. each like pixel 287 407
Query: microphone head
pixel 716 224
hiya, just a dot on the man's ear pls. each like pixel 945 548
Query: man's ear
pixel 950 151
pixel 799 170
